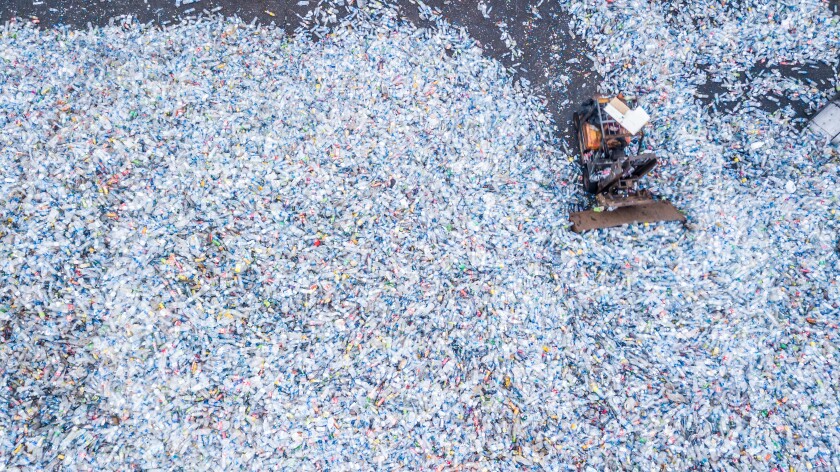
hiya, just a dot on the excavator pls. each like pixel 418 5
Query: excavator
pixel 611 140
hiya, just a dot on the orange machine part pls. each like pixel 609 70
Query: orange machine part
pixel 591 137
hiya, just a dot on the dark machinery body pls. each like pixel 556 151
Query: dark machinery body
pixel 612 162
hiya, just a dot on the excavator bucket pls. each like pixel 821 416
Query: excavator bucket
pixel 654 211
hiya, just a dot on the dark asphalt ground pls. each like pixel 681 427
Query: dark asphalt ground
pixel 540 29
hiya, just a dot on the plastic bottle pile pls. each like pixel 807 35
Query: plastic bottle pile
pixel 226 248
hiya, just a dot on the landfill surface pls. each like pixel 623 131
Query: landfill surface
pixel 534 39
pixel 531 38
pixel 348 248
